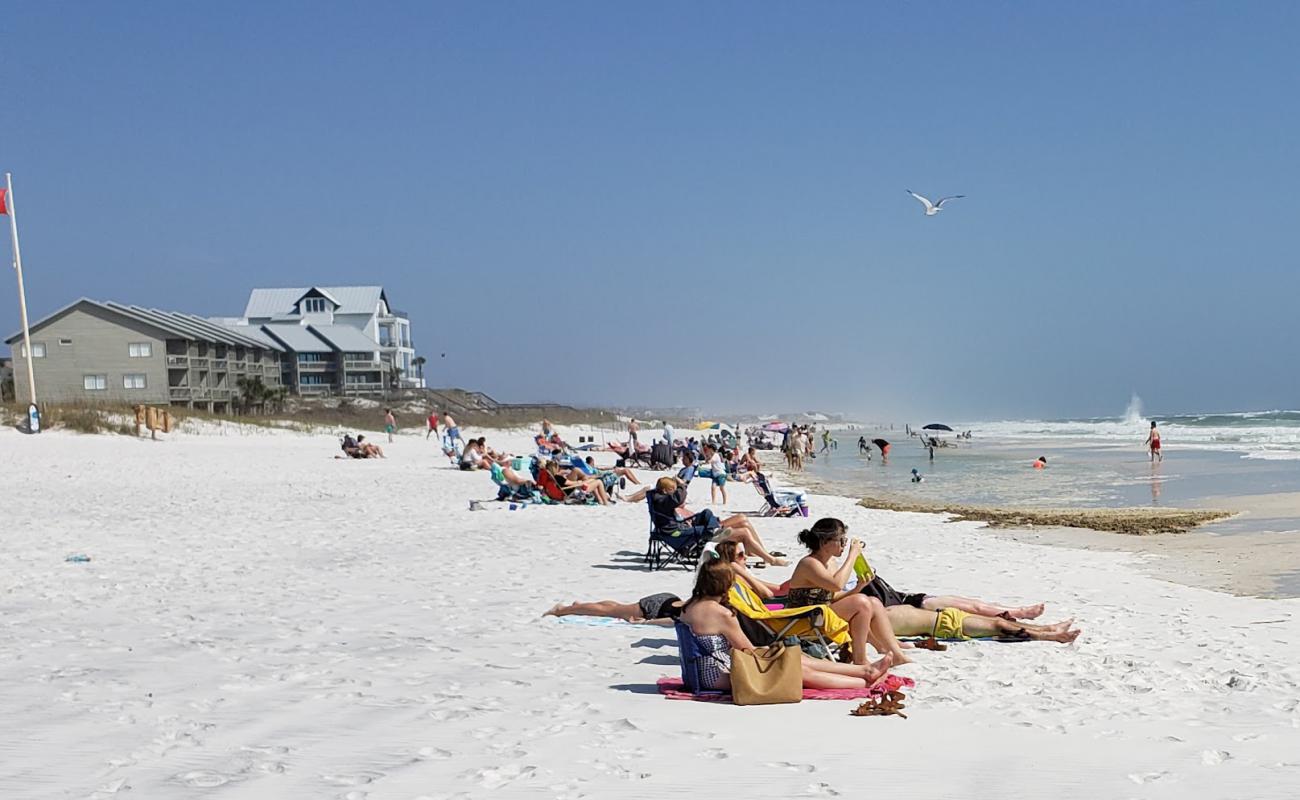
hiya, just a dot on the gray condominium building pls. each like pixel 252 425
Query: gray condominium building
pixel 103 352
pixel 337 340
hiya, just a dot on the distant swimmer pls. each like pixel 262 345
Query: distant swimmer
pixel 917 477
pixel 1153 442
pixel 1041 463
pixel 862 445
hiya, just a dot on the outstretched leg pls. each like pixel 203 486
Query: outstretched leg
pixel 977 626
pixel 981 607
pixel 601 608
pixel 741 530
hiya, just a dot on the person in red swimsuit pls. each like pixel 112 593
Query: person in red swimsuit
pixel 1153 442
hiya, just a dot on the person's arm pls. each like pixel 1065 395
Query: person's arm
pixel 823 578
pixel 761 588
pixel 731 629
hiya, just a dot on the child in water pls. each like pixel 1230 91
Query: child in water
pixel 916 476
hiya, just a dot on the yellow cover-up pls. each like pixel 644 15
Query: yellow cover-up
pixel 745 600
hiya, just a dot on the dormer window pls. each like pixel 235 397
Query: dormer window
pixel 314 305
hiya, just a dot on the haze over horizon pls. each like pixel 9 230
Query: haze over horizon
pixel 685 205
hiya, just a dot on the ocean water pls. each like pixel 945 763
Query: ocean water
pixel 1211 461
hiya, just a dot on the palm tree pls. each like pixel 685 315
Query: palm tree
pixel 419 362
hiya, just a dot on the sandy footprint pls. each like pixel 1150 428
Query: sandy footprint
pixel 821 790
pixel 494 778
pixel 203 779
pixel 1213 758
pixel 1141 778
pixel 793 767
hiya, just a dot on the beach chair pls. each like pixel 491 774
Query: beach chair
pixel 787 503
pixel 689 654
pixel 670 546
pixel 552 493
pixel 506 492
pixel 763 625
pixel 661 456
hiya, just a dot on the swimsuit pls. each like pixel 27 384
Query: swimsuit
pixel 660 606
pixel 810 596
pixel 715 660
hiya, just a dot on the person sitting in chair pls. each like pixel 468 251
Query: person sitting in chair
pixel 669 513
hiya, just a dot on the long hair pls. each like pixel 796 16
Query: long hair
pixel 822 531
pixel 714 579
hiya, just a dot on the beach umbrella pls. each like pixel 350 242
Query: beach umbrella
pixel 776 427
pixel 935 426
pixel 704 426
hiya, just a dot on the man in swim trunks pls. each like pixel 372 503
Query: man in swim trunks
pixel 390 424
pixel 1153 442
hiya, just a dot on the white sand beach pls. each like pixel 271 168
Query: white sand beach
pixel 259 620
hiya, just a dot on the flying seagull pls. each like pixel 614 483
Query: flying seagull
pixel 934 208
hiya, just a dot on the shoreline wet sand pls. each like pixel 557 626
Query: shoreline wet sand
pixel 1183 550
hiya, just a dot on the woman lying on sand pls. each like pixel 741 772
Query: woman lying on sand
pixel 655 607
pixel 667 508
pixel 813 583
pixel 717 633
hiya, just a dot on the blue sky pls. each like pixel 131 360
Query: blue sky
pixel 695 204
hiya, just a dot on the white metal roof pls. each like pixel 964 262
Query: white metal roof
pixel 345 337
pixel 273 303
pixel 297 338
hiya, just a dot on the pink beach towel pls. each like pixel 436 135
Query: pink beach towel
pixel 674 689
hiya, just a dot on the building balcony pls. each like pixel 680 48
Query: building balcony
pixel 179 392
pixel 199 363
pixel 180 362
pixel 238 366
pixel 359 387
pixel 220 363
pixel 315 388
pixel 363 366
pixel 314 366
pixel 220 394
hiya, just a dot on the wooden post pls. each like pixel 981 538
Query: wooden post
pixel 139 420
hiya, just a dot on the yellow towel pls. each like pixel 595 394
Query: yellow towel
pixel 745 601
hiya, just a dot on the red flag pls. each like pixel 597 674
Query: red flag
pixel 4 209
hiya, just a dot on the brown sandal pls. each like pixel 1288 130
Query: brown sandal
pixel 883 705
pixel 930 643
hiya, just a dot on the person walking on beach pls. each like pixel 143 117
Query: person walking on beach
pixel 390 424
pixel 433 425
pixel 452 432
pixel 1153 443
pixel 826 440
pixel 632 430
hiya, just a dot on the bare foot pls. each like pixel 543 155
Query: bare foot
pixel 878 671
pixel 554 610
pixel 906 645
pixel 780 562
pixel 1064 637
pixel 899 658
pixel 1028 612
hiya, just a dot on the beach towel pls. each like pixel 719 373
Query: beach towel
pixel 674 689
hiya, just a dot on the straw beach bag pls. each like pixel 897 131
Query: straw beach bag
pixel 766 675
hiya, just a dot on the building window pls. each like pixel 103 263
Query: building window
pixel 94 383
pixel 313 305
pixel 312 358
pixel 65 343
pixel 38 350
pixel 140 349
pixel 133 381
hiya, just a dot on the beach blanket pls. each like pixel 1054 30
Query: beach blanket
pixel 674 689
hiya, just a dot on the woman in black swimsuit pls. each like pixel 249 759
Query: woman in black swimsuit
pixel 815 583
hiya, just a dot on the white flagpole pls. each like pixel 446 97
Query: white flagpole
pixel 22 295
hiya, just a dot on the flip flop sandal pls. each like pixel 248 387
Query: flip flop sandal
pixel 885 705
pixel 778 554
pixel 1020 635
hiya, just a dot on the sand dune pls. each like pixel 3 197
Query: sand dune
pixel 260 620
